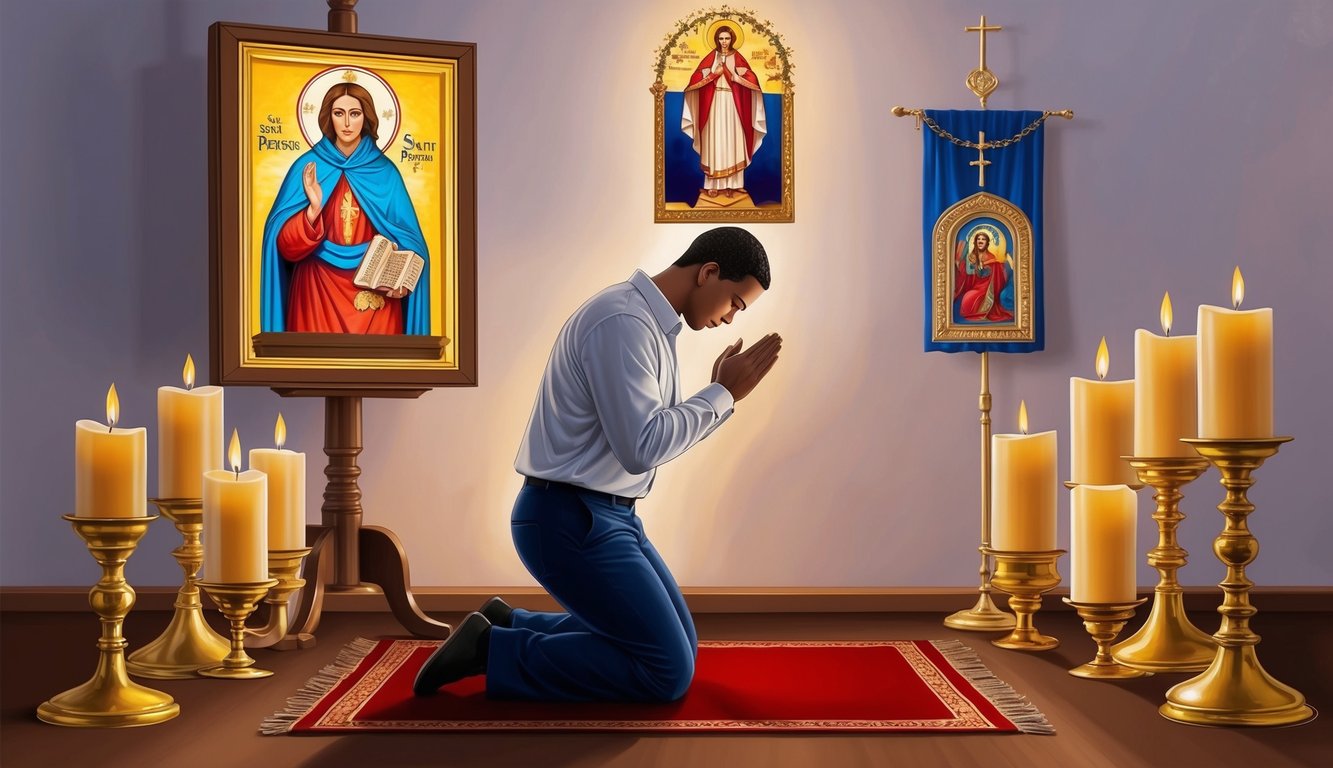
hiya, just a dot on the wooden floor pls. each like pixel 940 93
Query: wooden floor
pixel 1098 724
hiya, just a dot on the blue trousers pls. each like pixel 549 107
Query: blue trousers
pixel 625 635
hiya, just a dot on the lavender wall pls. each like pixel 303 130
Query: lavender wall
pixel 1200 143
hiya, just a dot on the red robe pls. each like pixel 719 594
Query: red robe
pixel 741 95
pixel 323 297
pixel 978 295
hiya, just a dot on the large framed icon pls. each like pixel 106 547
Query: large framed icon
pixel 724 111
pixel 981 272
pixel 342 200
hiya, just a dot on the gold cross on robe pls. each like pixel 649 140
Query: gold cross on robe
pixel 348 211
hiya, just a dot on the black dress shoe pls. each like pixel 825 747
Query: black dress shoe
pixel 462 655
pixel 498 612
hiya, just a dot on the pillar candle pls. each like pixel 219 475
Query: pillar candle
pixel 1165 394
pixel 1023 492
pixel 286 491
pixel 1102 538
pixel 1101 420
pixel 189 436
pixel 1235 369
pixel 235 535
pixel 110 466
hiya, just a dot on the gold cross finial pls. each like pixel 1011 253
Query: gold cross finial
pixel 982 81
pixel 981 162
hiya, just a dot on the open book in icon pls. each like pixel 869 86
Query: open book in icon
pixel 384 266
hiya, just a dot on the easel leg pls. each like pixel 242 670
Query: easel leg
pixel 384 562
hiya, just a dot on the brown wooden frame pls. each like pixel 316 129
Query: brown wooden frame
pixel 359 362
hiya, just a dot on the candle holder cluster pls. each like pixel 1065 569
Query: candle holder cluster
pixel 110 699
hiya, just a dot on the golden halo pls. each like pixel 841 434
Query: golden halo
pixel 997 244
pixel 735 28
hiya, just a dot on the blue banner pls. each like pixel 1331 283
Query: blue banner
pixel 983 244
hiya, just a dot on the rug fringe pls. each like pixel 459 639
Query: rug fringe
pixel 299 706
pixel 1011 704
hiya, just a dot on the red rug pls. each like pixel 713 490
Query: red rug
pixel 899 686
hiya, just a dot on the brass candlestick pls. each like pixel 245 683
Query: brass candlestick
pixel 188 643
pixel 1167 641
pixel 110 699
pixel 237 602
pixel 1026 576
pixel 283 565
pixel 1104 621
pixel 1235 689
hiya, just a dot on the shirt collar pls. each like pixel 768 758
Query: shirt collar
pixel 667 318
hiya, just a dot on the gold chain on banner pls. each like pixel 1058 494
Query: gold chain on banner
pixel 1002 143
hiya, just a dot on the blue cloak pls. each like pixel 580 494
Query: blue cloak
pixel 383 198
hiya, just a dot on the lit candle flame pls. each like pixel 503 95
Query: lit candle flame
pixel 188 373
pixel 280 432
pixel 112 407
pixel 234 452
pixel 1237 289
pixel 1166 313
pixel 1103 360
pixel 1023 416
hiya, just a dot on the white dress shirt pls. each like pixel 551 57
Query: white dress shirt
pixel 609 409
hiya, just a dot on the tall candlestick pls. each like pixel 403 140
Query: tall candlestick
pixel 286 490
pixel 110 466
pixel 189 436
pixel 1235 369
pixel 1165 391
pixel 1102 544
pixel 235 522
pixel 1101 421
pixel 1023 492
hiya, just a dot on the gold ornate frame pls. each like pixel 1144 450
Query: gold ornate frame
pixel 308 362
pixel 947 228
pixel 783 213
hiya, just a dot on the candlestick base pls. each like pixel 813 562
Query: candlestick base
pixel 237 602
pixel 1235 689
pixel 1103 622
pixel 985 616
pixel 110 699
pixel 188 643
pixel 283 565
pixel 1026 576
pixel 1167 641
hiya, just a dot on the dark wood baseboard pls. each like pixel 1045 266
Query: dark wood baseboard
pixel 701 599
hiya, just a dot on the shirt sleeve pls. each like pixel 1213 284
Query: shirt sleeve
pixel 619 358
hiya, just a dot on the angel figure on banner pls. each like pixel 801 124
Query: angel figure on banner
pixel 983 274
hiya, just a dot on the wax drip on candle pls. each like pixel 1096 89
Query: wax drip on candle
pixel 1166 313
pixel 1237 289
pixel 1103 360
pixel 112 408
pixel 234 453
pixel 188 373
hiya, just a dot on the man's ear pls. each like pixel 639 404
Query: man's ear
pixel 706 270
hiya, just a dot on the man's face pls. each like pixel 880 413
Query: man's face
pixel 715 302
pixel 724 39
pixel 347 118
pixel 981 242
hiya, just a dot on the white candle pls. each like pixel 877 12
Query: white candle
pixel 235 535
pixel 1101 421
pixel 110 466
pixel 1165 390
pixel 1023 490
pixel 286 490
pixel 189 436
pixel 1102 542
pixel 1235 369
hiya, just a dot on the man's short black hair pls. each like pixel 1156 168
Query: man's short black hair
pixel 737 252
